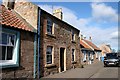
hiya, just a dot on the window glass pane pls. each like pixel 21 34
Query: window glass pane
pixel 4 38
pixel 49 22
pixel 49 26
pixel 9 52
pixel 2 52
pixel 49 59
pixel 11 39
pixel 72 54
pixel 72 57
pixel 49 50
pixel 49 54
pixel 49 29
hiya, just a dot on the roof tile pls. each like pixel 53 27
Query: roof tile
pixel 9 18
pixel 88 44
pixel 92 45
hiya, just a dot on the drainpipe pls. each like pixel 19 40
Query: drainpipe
pixel 35 48
pixel 38 39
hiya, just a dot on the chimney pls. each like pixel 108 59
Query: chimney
pixel 81 37
pixel 84 37
pixel 58 13
pixel 90 38
pixel 10 4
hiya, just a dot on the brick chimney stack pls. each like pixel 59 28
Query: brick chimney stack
pixel 58 13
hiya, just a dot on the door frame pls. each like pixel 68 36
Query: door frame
pixel 64 59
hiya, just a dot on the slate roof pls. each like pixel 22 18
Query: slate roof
pixel 11 19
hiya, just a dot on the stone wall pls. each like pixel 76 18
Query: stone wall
pixel 61 38
pixel 26 58
pixel 28 11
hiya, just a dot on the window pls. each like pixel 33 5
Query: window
pixel 9 48
pixel 84 55
pixel 49 26
pixel 73 36
pixel 73 54
pixel 49 54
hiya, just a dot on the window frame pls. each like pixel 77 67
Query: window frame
pixel 15 57
pixel 52 56
pixel 51 24
pixel 84 55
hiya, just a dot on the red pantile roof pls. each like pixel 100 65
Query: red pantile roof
pixel 11 19
pixel 84 45
pixel 89 44
pixel 92 45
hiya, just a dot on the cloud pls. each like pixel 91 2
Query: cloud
pixel 115 35
pixel 102 12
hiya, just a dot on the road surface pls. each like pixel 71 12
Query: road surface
pixel 96 70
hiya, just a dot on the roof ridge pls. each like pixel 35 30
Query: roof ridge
pixel 24 20
pixel 88 45
pixel 92 45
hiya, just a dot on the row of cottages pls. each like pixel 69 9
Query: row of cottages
pixel 105 49
pixel 35 43
pixel 90 52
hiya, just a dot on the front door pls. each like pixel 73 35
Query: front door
pixel 62 59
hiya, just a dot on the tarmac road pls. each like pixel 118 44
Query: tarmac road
pixel 95 70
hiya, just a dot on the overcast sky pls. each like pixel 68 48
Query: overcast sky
pixel 96 19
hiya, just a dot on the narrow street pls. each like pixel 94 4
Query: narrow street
pixel 96 70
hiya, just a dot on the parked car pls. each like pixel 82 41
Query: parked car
pixel 111 59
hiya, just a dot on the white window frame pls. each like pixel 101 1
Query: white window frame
pixel 52 51
pixel 14 62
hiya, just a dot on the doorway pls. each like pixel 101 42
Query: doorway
pixel 62 59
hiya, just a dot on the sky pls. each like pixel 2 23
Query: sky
pixel 96 19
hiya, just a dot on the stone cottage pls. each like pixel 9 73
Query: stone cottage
pixel 17 45
pixel 58 47
pixel 90 52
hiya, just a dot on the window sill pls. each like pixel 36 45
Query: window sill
pixel 50 65
pixel 74 62
pixel 8 64
pixel 51 35
pixel 73 41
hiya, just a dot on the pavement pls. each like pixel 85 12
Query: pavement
pixel 87 72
